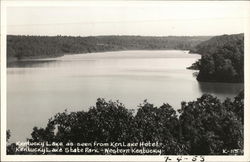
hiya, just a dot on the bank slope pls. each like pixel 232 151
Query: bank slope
pixel 19 47
pixel 222 59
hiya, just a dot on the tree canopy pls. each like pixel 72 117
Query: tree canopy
pixel 206 126
pixel 19 47
pixel 222 59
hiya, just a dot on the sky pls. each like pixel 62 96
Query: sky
pixel 147 18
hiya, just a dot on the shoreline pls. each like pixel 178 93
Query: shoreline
pixel 53 58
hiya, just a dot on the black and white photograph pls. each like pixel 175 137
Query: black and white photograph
pixel 160 79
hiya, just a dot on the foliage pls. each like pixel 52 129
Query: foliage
pixel 108 121
pixel 209 126
pixel 8 134
pixel 206 126
pixel 195 66
pixel 158 124
pixel 44 46
pixel 10 147
pixel 222 59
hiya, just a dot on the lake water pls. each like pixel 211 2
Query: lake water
pixel 37 90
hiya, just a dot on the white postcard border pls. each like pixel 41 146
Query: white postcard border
pixel 161 158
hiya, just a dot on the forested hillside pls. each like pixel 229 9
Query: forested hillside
pixel 222 59
pixel 19 47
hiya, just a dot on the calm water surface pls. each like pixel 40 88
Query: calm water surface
pixel 37 90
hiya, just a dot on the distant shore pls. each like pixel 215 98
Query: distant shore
pixel 33 47
pixel 51 58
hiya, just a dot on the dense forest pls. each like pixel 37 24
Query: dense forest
pixel 222 56
pixel 206 126
pixel 19 47
pixel 222 59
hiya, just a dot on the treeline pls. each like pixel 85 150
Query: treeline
pixel 206 126
pixel 222 59
pixel 19 47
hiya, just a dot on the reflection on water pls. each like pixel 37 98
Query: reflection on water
pixel 37 90
pixel 221 90
pixel 29 63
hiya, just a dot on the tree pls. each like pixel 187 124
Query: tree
pixel 158 125
pixel 11 147
pixel 222 59
pixel 108 121
pixel 208 126
pixel 45 46
pixel 207 68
